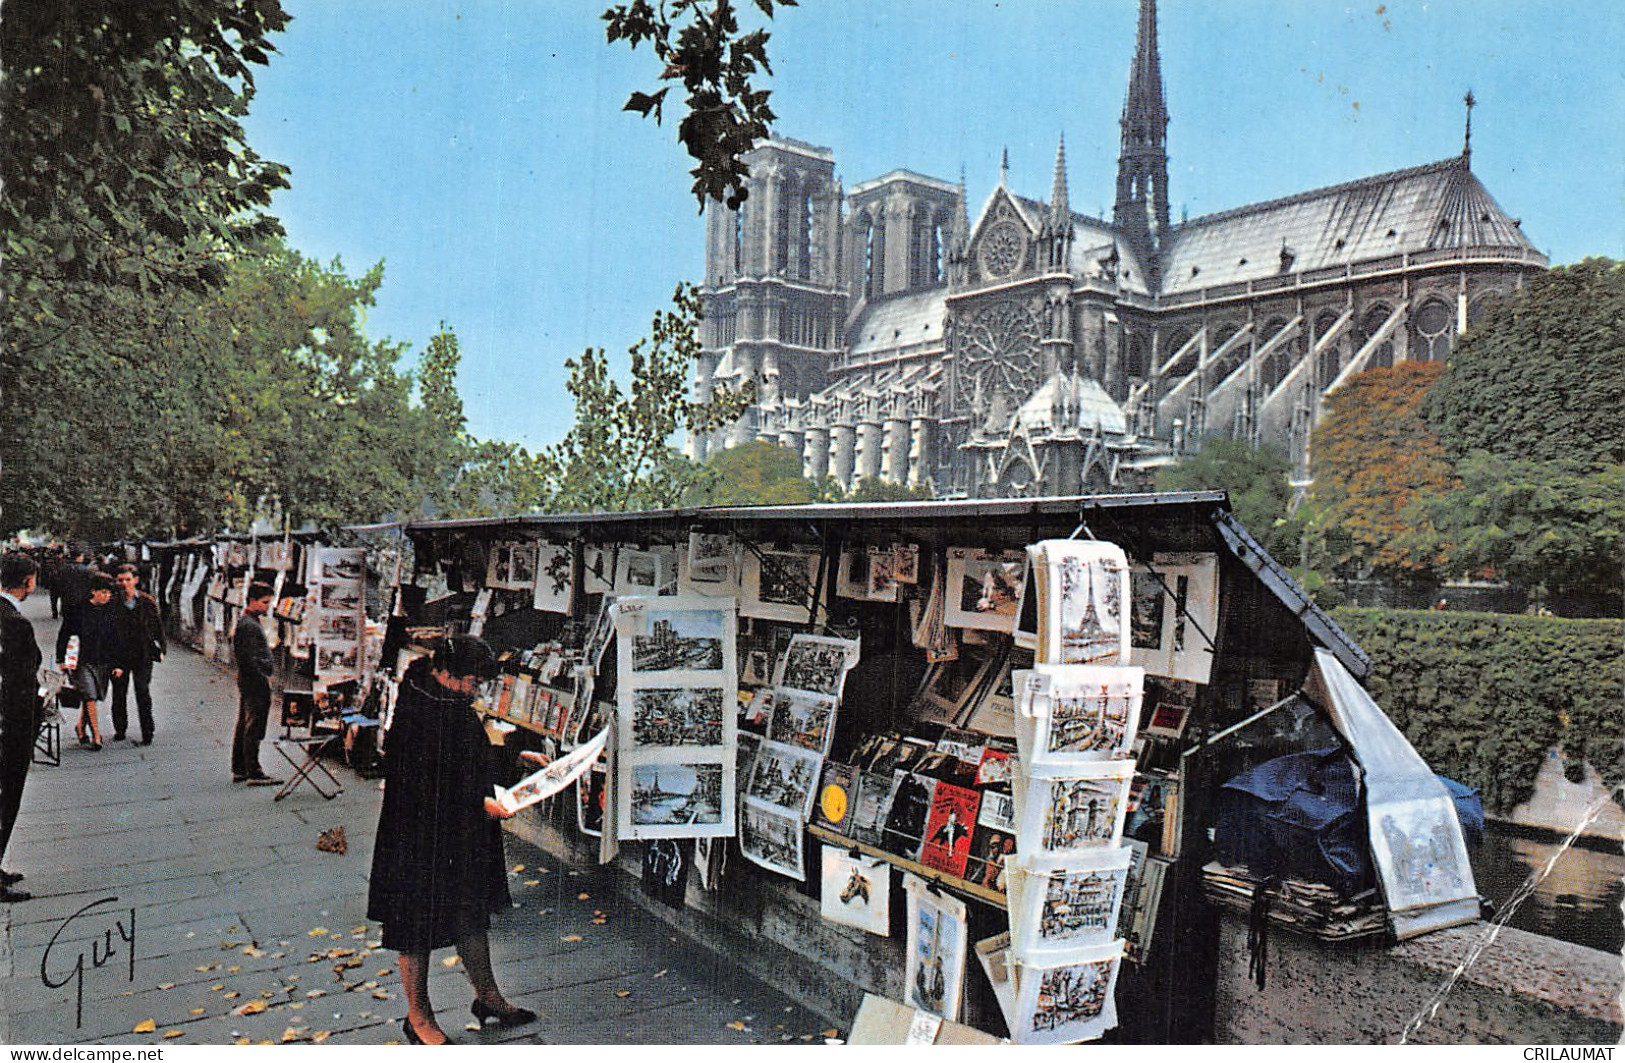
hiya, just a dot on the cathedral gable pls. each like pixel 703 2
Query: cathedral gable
pixel 1003 243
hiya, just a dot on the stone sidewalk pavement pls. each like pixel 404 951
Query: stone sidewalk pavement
pixel 173 906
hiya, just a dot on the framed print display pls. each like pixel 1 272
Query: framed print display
pixel 770 838
pixel 856 891
pixel 598 565
pixel 902 561
pixel 1061 811
pixel 983 588
pixel 777 584
pixel 1069 1002
pixel 676 702
pixel 1055 908
pixel 511 566
pixel 816 664
pixel 1176 614
pixel 1071 713
pixel 994 711
pixel 798 718
pixel 936 949
pixel 555 578
pixel 785 777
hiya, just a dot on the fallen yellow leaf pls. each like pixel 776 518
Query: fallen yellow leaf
pixel 623 992
pixel 736 1025
pixel 321 1035
pixel 662 972
pixel 583 896
pixel 206 968
pixel 831 1033
pixel 451 961
pixel 253 1007
pixel 242 1041
pixel 233 995
pixel 296 1005
pixel 317 931
pixel 362 929
pixel 197 1011
pixel 166 985
pixel 170 1034
pixel 518 868
pixel 234 968
pixel 473 1027
pixel 146 1026
pixel 382 994
pixel 314 993
pixel 571 937
pixel 290 1034
pixel 216 988
pixel 533 882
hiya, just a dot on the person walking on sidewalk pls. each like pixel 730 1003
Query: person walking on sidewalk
pixel 93 624
pixel 438 869
pixel 19 704
pixel 138 645
pixel 254 669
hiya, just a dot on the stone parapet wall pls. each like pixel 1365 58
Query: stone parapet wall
pixel 1522 989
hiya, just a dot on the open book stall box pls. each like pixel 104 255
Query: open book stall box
pixel 970 756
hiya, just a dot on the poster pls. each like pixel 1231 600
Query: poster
pixel 771 838
pixel 937 947
pixel 676 697
pixel 786 778
pixel 1176 615
pixel 837 797
pixel 856 891
pixel 511 566
pixel 645 573
pixel 801 719
pixel 983 588
pixel 555 578
pixel 817 664
pixel 1069 1002
pixel 948 828
pixel 553 777
pixel 335 619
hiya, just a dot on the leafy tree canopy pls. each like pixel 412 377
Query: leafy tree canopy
pixel 701 44
pixel 757 473
pixel 1373 459
pixel 617 455
pixel 1542 376
pixel 1256 480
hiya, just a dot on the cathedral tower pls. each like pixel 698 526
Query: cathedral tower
pixel 1141 212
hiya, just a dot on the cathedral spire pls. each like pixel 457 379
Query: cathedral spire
pixel 1467 141
pixel 1142 167
pixel 1060 211
pixel 1004 167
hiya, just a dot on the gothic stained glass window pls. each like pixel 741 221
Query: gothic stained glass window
pixel 999 358
pixel 1003 249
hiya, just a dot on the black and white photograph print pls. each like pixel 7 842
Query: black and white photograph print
pixel 334 564
pixel 710 556
pixel 336 659
pixel 786 777
pixel 341 597
pixel 772 839
pixel 673 717
pixel 802 719
pixel 511 566
pixel 817 664
pixel 676 795
pixel 778 584
pixel 1179 595
pixel 984 588
pixel 690 640
pixel 856 891
pixel 852 576
pixel 644 572
pixel 555 578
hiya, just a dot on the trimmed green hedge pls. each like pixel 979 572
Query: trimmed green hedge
pixel 1483 696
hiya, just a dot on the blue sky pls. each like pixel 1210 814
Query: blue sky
pixel 478 148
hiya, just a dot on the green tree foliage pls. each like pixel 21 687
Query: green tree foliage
pixel 197 412
pixel 1483 696
pixel 700 44
pixel 1374 460
pixel 124 159
pixel 617 455
pixel 1542 376
pixel 1256 480
pixel 758 473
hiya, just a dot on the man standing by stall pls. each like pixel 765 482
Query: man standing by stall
pixel 19 703
pixel 138 645
pixel 254 669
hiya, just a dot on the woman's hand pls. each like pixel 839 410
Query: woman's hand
pixel 496 811
pixel 538 759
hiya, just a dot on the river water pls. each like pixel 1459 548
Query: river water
pixel 1578 901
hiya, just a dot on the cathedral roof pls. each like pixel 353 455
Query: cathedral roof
pixel 900 321
pixel 1439 206
pixel 1064 405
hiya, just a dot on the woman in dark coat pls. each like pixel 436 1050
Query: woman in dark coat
pixel 94 624
pixel 438 869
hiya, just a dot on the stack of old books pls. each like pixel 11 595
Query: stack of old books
pixel 1308 907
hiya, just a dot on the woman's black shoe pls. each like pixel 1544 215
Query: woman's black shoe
pixel 411 1033
pixel 516 1017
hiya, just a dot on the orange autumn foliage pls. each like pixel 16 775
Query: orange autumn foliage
pixel 1373 459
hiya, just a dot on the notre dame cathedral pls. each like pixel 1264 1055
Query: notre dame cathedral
pixel 1037 350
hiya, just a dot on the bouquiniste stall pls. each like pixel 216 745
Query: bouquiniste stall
pixel 949 770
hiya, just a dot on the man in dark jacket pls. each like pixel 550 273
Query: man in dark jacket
pixel 137 645
pixel 19 703
pixel 254 669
